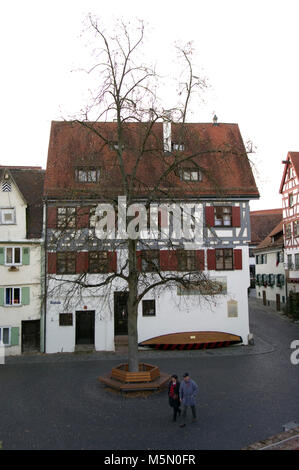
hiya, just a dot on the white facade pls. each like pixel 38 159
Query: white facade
pixel 270 278
pixel 174 313
pixel 20 269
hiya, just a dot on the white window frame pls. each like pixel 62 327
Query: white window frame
pixel 3 211
pixel 1 335
pixel 13 263
pixel 20 296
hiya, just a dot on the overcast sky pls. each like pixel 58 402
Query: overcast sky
pixel 248 50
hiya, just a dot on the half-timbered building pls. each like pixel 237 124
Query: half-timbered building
pixel 289 189
pixel 82 173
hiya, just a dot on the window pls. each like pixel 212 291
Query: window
pixel 187 260
pixel 150 261
pixel 297 261
pixel 177 147
pixel 290 262
pixel 190 174
pixel 12 296
pixel 291 200
pixel 223 216
pixel 224 259
pixel 98 262
pixel 92 217
pixel 87 175
pixel 65 319
pixel 13 255
pixel 263 259
pixel 296 228
pixel 66 263
pixel 288 230
pixel 66 217
pixel 148 308
pixel 5 335
pixel 7 216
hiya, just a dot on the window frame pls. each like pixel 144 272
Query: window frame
pixel 87 170
pixel 13 262
pixel 187 260
pixel 146 308
pixel 147 264
pixel 9 335
pixel 13 304
pixel 66 261
pixel 67 221
pixel 219 216
pixel 288 230
pixel 188 171
pixel 226 251
pixel 104 265
pixel 68 317
pixel 4 210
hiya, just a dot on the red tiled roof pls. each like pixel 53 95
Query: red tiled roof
pixel 218 150
pixel 277 233
pixel 262 223
pixel 292 157
pixel 30 181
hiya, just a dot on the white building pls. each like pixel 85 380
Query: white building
pixel 270 273
pixel 21 258
pixel 80 175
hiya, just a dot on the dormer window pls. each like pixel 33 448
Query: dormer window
pixel 177 147
pixel 190 174
pixel 87 175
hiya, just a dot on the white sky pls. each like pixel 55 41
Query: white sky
pixel 248 50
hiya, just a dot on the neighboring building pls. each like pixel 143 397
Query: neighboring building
pixel 270 273
pixel 289 189
pixel 261 223
pixel 80 174
pixel 21 216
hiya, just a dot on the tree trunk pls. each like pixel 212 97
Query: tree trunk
pixel 132 307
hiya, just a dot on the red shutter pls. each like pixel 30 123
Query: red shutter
pixel 168 260
pixel 51 263
pixel 81 262
pixel 236 217
pixel 211 259
pixel 52 217
pixel 138 258
pixel 200 256
pixel 112 257
pixel 210 217
pixel 237 259
pixel 82 217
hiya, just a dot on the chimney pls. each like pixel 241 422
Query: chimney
pixel 167 131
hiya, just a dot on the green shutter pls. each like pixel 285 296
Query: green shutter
pixel 14 336
pixel 1 296
pixel 25 296
pixel 1 255
pixel 26 256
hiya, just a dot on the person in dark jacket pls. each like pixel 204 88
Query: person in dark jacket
pixel 173 395
pixel 188 392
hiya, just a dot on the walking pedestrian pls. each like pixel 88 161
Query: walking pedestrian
pixel 173 395
pixel 188 392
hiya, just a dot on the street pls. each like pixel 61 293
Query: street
pixel 245 395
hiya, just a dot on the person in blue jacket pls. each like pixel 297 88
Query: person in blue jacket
pixel 188 392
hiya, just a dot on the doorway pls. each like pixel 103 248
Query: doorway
pixel 278 302
pixel 120 313
pixel 31 336
pixel 85 327
pixel 264 298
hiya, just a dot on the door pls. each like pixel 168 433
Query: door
pixel 278 302
pixel 85 327
pixel 120 313
pixel 264 298
pixel 30 335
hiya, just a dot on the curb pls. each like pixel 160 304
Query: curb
pixel 288 440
